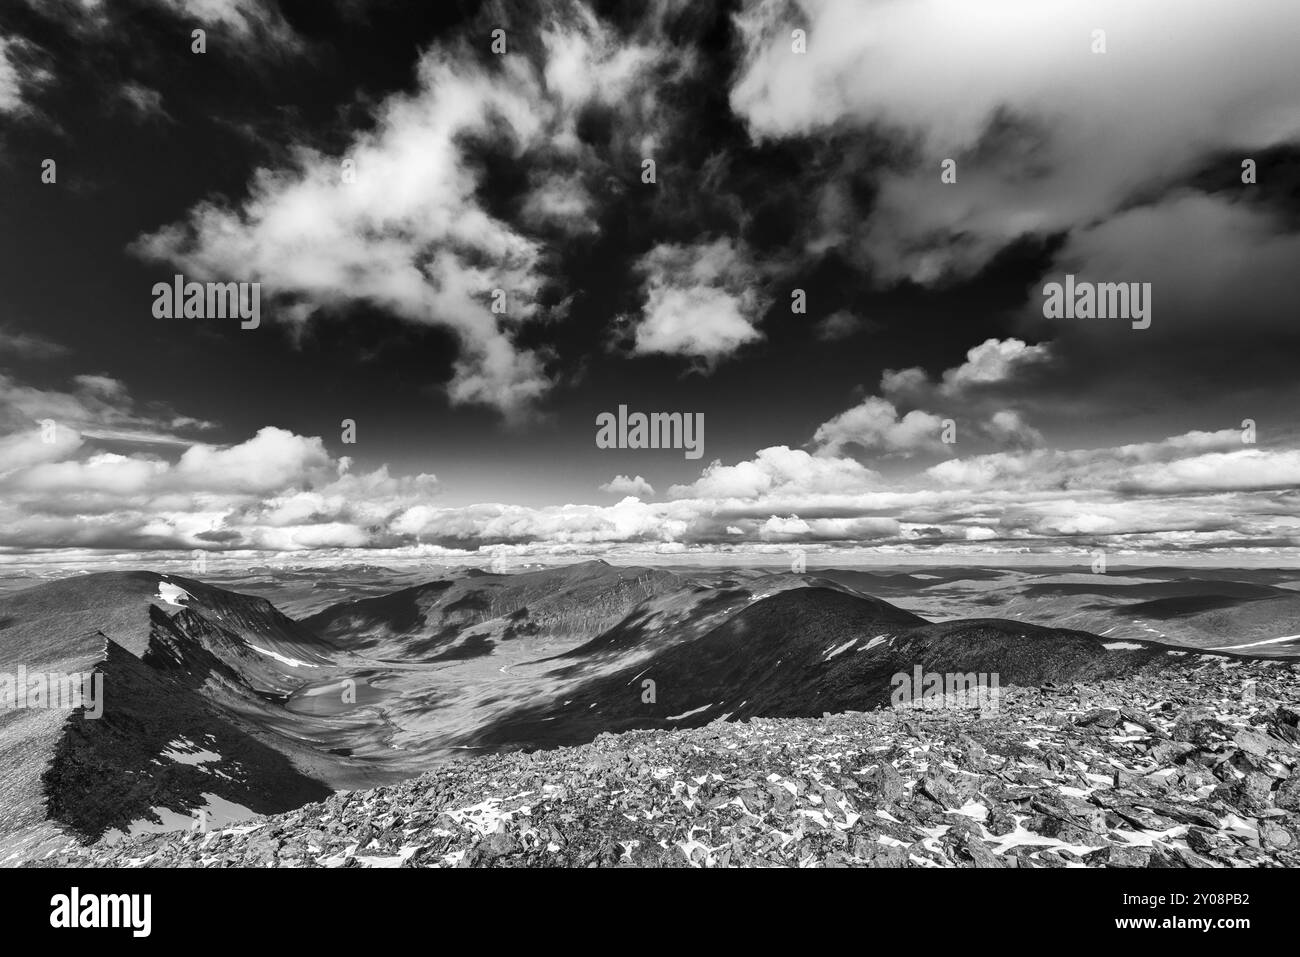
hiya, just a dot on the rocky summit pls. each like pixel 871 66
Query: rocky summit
pixel 1193 766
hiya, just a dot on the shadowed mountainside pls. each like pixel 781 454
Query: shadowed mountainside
pixel 803 652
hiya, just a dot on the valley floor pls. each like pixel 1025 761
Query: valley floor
pixel 1196 767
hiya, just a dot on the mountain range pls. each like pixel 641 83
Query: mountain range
pixel 218 706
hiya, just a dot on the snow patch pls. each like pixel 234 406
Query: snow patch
pixel 1253 644
pixel 842 648
pixel 291 662
pixel 184 751
pixel 687 714
pixel 170 594
pixel 486 816
pixel 220 812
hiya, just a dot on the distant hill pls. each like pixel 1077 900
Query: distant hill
pixel 1214 611
pixel 428 620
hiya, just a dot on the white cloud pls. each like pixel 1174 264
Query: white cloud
pixel 243 17
pixel 777 471
pixel 1239 470
pixel 856 530
pixel 95 405
pixel 63 483
pixel 243 28
pixel 1034 103
pixel 875 425
pixel 271 460
pixel 623 485
pixel 628 520
pixel 992 361
pixel 11 99
pixel 701 301
pixel 22 450
pixel 973 394
pixel 1008 427
pixel 410 234
pixel 20 76
pixel 1111 469
pixel 284 493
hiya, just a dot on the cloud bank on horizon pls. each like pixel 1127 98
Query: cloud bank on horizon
pixel 501 201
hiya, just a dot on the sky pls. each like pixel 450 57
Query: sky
pixel 839 264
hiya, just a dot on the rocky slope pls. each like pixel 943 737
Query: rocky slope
pixel 191 680
pixel 1191 766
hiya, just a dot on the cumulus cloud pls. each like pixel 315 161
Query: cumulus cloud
pixel 875 425
pixel 777 471
pixel 90 467
pixel 280 492
pixel 22 450
pixel 1195 490
pixel 628 521
pixel 701 300
pixel 1008 427
pixel 1117 468
pixel 967 401
pixel 856 530
pixel 991 362
pixel 637 487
